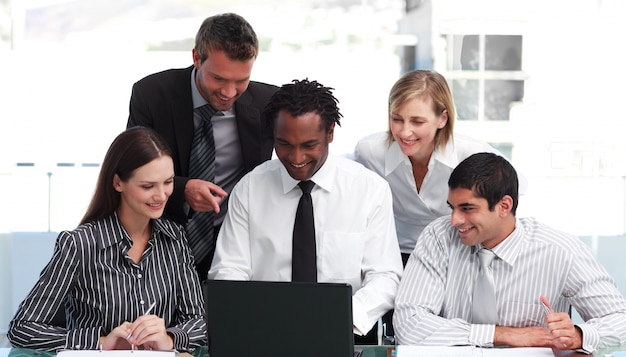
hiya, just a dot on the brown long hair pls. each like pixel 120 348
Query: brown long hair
pixel 130 150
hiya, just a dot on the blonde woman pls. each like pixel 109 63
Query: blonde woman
pixel 418 152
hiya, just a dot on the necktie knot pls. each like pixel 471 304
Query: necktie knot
pixel 306 186
pixel 206 111
pixel 486 256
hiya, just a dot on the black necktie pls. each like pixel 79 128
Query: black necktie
pixel 303 259
pixel 202 166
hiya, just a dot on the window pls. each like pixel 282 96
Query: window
pixel 485 72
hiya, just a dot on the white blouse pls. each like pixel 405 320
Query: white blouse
pixel 412 210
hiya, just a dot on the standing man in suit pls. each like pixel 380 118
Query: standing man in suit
pixel 174 103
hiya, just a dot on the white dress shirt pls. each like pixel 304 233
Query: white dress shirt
pixel 413 211
pixel 433 305
pixel 354 230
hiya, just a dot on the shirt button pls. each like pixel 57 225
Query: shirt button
pixel 141 302
pixel 139 276
pixel 77 347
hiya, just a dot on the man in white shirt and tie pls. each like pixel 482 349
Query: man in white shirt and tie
pixel 532 274
pixel 355 237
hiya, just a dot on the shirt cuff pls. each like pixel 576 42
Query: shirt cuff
pixel 180 338
pixel 591 338
pixel 482 335
pixel 83 339
pixel 360 320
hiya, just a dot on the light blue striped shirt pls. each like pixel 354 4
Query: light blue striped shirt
pixel 100 287
pixel 433 305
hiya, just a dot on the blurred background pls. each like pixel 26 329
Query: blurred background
pixel 539 79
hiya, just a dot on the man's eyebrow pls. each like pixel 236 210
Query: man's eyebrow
pixel 466 204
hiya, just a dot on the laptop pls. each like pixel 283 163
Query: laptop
pixel 262 318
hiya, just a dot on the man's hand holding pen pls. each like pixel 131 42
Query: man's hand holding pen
pixel 566 336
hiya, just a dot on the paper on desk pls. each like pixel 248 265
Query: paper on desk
pixel 471 351
pixel 116 353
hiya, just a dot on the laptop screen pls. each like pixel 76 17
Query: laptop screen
pixel 261 318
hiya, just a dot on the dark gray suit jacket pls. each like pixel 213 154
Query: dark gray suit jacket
pixel 162 101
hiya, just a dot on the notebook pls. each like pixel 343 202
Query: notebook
pixel 261 318
pixel 113 353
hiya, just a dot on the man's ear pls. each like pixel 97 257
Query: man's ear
pixel 331 133
pixel 505 205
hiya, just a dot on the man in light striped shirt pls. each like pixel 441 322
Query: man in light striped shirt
pixel 434 301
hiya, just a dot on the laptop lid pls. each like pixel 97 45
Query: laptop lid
pixel 262 318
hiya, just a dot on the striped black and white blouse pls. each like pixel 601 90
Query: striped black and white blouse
pixel 433 305
pixel 100 287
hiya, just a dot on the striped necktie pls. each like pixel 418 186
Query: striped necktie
pixel 202 166
pixel 484 308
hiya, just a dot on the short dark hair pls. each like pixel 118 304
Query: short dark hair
pixel 489 176
pixel 301 97
pixel 227 32
pixel 130 150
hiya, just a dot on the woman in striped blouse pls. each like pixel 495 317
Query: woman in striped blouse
pixel 125 278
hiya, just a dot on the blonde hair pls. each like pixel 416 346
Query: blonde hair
pixel 424 83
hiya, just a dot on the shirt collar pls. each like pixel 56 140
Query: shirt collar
pixel 322 178
pixel 197 98
pixel 117 233
pixel 394 157
pixel 167 230
pixel 509 249
pixel 447 156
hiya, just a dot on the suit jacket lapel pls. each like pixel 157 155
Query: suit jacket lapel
pixel 181 102
pixel 249 130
